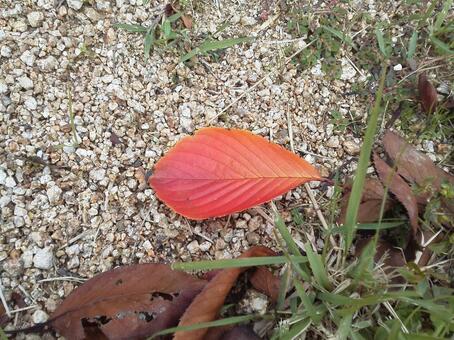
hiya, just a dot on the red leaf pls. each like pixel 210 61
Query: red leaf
pixel 207 304
pixel 400 189
pixel 218 172
pixel 129 302
pixel 427 94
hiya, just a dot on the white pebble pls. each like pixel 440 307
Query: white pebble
pixel 35 19
pixel 43 259
pixel 40 316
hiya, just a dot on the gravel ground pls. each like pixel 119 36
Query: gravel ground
pixel 75 204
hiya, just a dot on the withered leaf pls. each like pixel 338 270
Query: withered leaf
pixel 187 21
pixel 205 307
pixel 413 165
pixel 264 281
pixel 427 94
pixel 400 189
pixel 240 333
pixel 371 201
pixel 129 302
pixel 392 257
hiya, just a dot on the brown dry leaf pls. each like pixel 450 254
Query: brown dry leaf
pixel 427 94
pixel 4 318
pixel 400 189
pixel 392 257
pixel 231 332
pixel 129 302
pixel 413 165
pixel 371 201
pixel 187 21
pixel 264 281
pixel 205 307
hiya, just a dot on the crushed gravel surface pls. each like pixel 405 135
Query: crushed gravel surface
pixel 73 194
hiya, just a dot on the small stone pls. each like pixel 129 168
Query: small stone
pixel 91 14
pixel 3 87
pixel 48 64
pixel 28 58
pixel 205 246
pixel 253 238
pixel 19 211
pixel 248 21
pixel 20 25
pixel 27 258
pixel 25 82
pixel 35 19
pixel 351 148
pixel 98 174
pixel 397 67
pixel 255 223
pixel 333 142
pixel 193 247
pixel 348 71
pixel 30 103
pixel 39 316
pixel 259 304
pixel 75 4
pixel 147 245
pixel 73 262
pixel 5 51
pixel 43 259
pixel 53 194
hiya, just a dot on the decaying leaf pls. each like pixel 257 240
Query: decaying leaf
pixel 205 307
pixel 129 302
pixel 371 201
pixel 413 165
pixel 218 172
pixel 391 256
pixel 264 281
pixel 427 94
pixel 400 189
pixel 187 21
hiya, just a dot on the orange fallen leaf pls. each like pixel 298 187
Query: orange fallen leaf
pixel 128 302
pixel 400 189
pixel 218 172
pixel 427 94
pixel 205 307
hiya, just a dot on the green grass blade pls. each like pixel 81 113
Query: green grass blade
pixel 340 35
pixel 296 330
pixel 236 263
pixel 381 42
pixel 442 16
pixel 412 45
pixel 3 335
pixel 318 268
pixel 222 322
pixel 365 263
pixel 174 17
pixel 413 336
pixel 441 45
pixel 148 42
pixel 344 327
pixel 132 28
pixel 283 288
pixel 309 307
pixel 360 175
pixel 301 269
pixel 213 45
